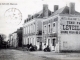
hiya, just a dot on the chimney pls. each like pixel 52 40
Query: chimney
pixel 55 7
pixel 45 10
pixel 72 8
pixel 29 17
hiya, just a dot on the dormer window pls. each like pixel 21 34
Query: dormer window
pixel 32 17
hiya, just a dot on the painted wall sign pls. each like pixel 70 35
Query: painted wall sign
pixel 70 25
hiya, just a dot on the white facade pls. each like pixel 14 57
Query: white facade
pixel 33 27
pixel 70 31
pixel 13 40
pixel 50 31
pixel 30 32
pixel 62 32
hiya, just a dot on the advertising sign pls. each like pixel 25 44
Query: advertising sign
pixel 70 25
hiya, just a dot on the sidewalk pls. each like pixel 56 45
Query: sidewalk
pixel 57 56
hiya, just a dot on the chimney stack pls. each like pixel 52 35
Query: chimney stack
pixel 55 7
pixel 45 10
pixel 72 8
pixel 29 16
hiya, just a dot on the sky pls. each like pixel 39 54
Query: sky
pixel 25 7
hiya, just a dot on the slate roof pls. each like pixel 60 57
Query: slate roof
pixel 40 14
pixel 37 15
pixel 64 10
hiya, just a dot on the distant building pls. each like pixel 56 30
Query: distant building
pixel 15 39
pixel 19 35
pixel 32 27
pixel 61 31
pixel 10 43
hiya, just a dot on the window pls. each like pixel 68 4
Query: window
pixel 30 29
pixel 27 29
pixel 25 41
pixel 28 40
pixel 54 27
pixel 45 29
pixel 34 27
pixel 48 42
pixel 53 24
pixel 24 30
pixel 37 39
pixel 49 28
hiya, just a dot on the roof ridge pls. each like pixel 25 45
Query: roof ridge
pixel 59 10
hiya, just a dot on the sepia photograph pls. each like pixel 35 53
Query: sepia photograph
pixel 39 29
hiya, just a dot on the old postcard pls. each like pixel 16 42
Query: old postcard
pixel 39 30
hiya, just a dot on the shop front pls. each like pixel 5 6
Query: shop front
pixel 51 41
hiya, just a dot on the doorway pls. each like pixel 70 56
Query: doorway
pixel 54 43
pixel 40 48
pixel 28 40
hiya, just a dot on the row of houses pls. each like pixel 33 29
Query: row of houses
pixel 60 30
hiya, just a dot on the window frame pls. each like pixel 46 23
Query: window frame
pixel 49 30
pixel 45 29
pixel 53 27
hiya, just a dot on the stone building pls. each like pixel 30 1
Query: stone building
pixel 61 31
pixel 19 36
pixel 32 27
pixel 10 40
pixel 15 39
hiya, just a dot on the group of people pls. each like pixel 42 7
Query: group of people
pixel 31 47
pixel 47 49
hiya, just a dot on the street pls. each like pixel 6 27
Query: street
pixel 11 54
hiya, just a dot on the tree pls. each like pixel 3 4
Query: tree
pixel 2 42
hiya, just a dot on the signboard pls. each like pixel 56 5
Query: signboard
pixel 70 25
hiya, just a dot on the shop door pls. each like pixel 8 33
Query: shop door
pixel 40 48
pixel 53 43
